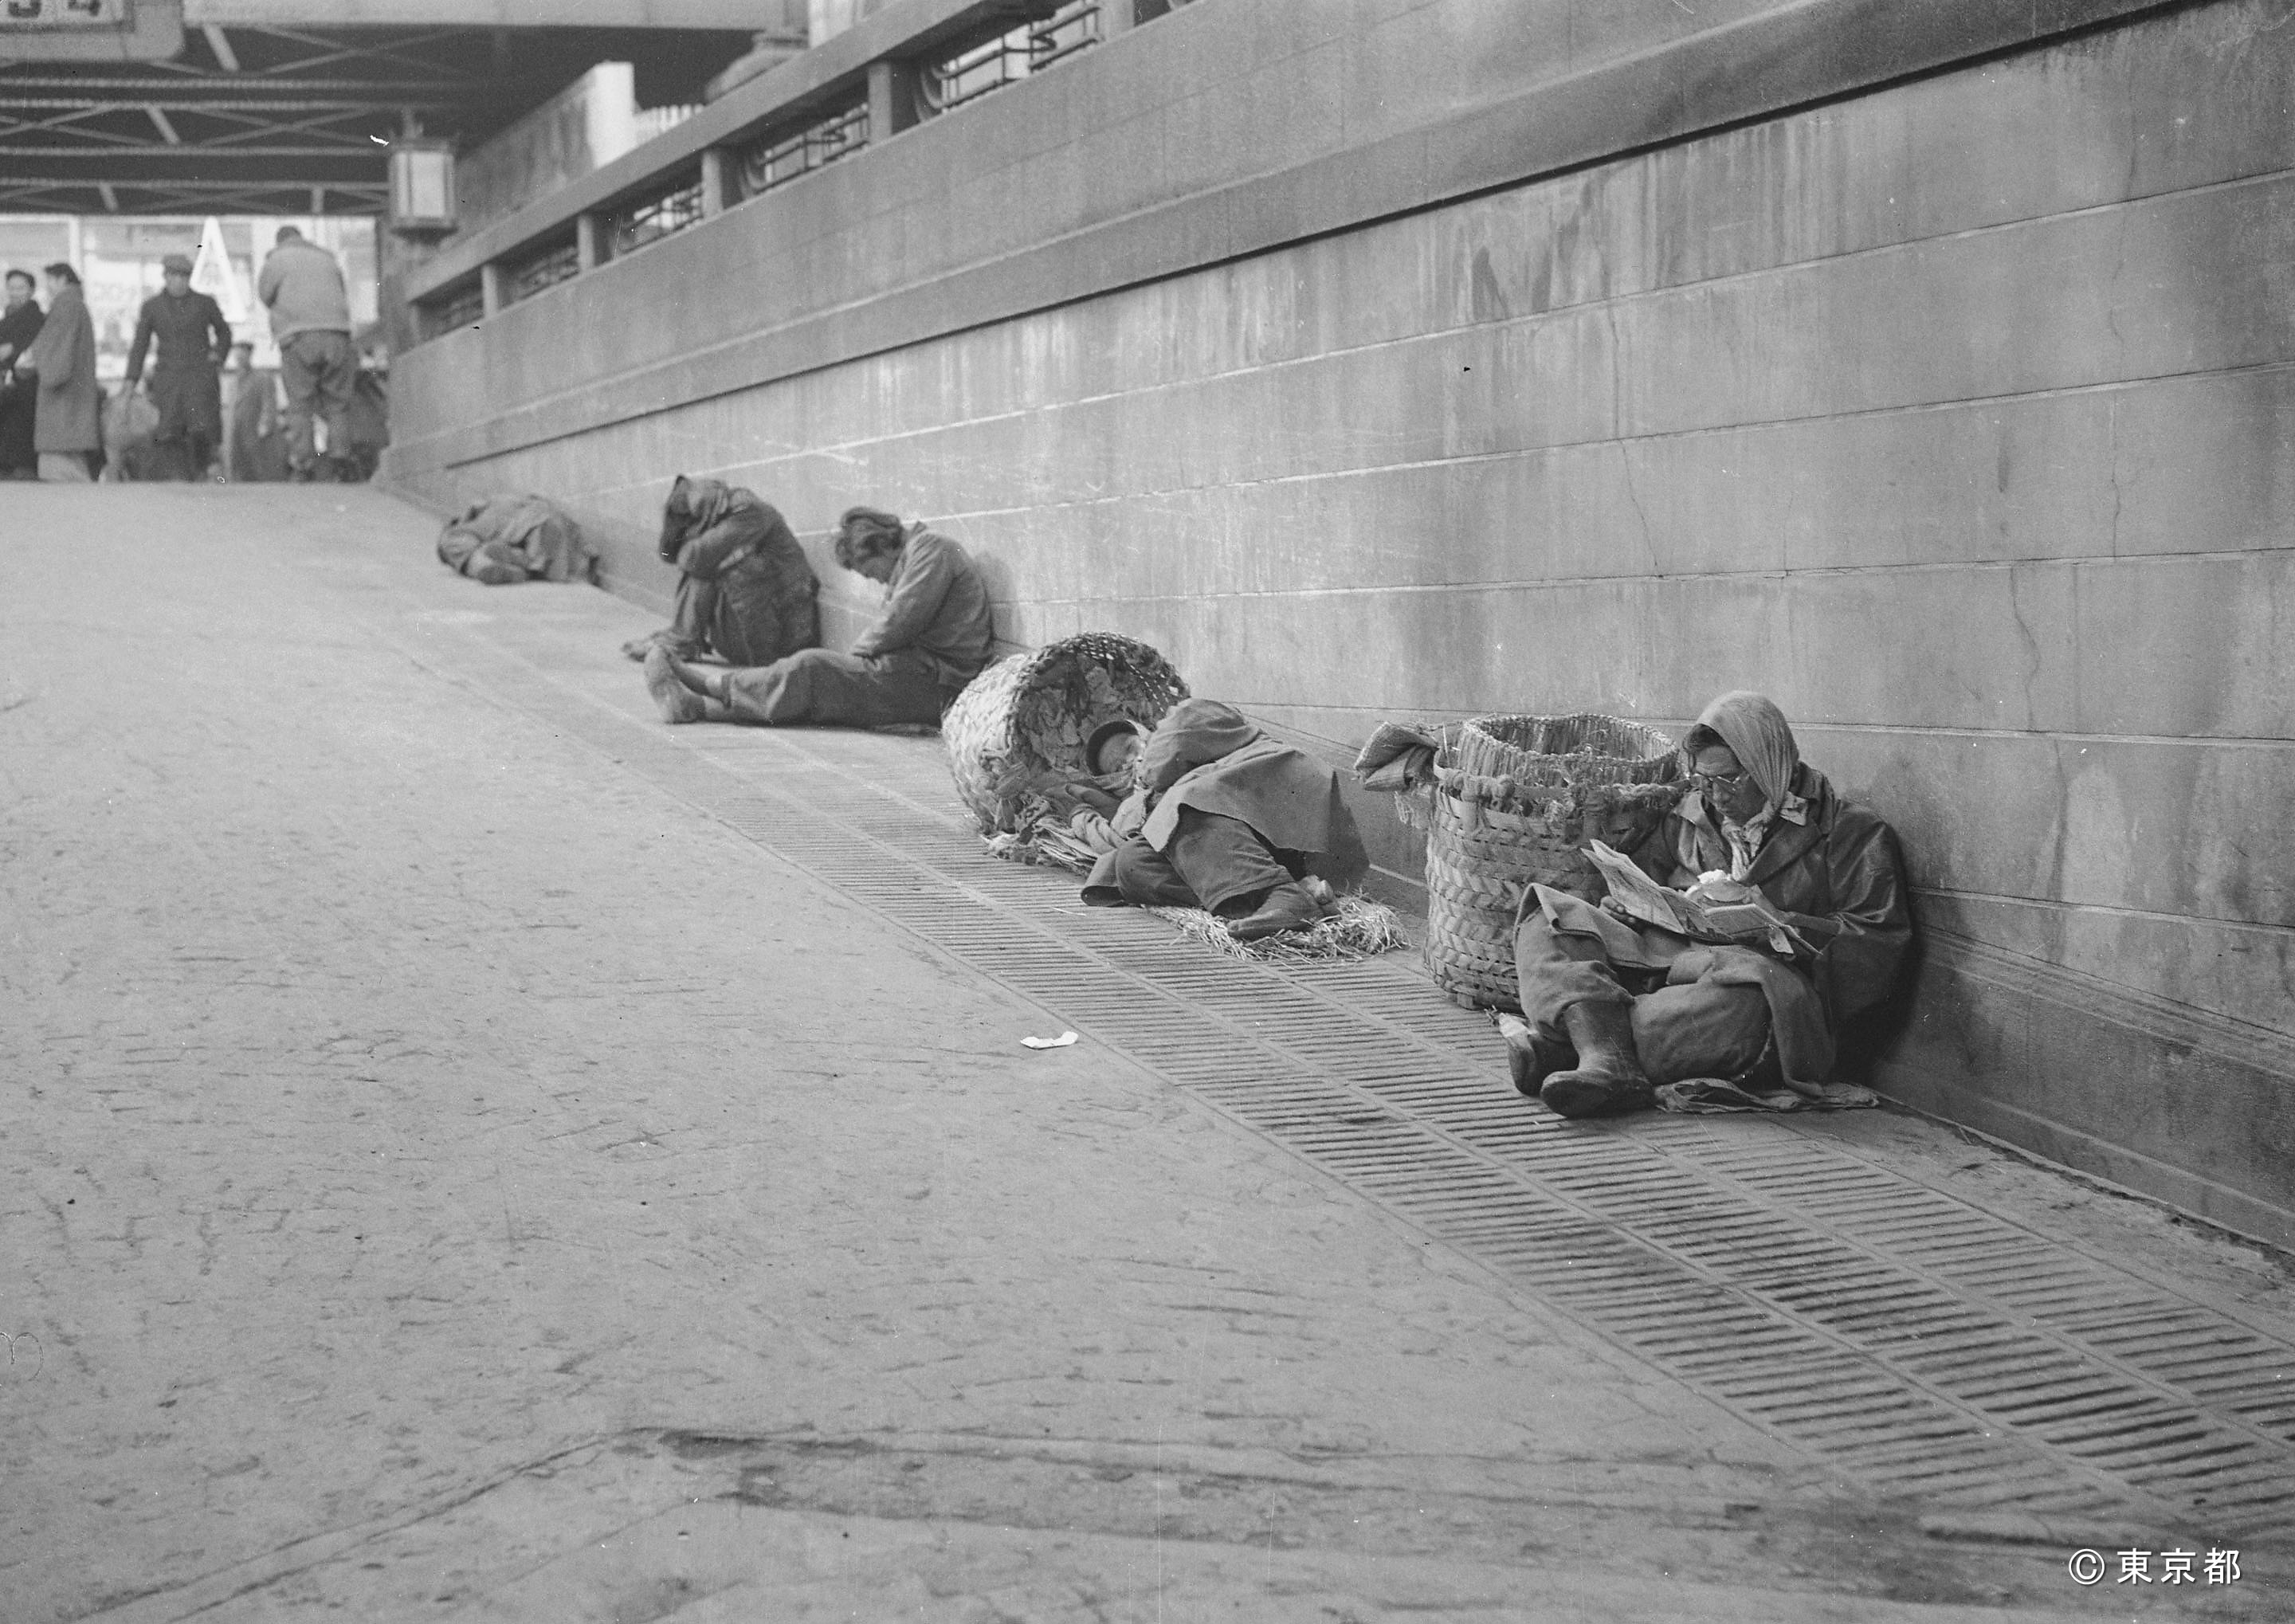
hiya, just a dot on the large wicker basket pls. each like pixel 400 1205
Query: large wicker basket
pixel 1023 722
pixel 1515 801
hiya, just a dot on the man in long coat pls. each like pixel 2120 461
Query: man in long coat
pixel 20 324
pixel 745 590
pixel 187 376
pixel 932 639
pixel 67 430
pixel 1612 1008
pixel 1228 820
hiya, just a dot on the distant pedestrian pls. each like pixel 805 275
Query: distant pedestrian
pixel 20 324
pixel 187 375
pixel 303 287
pixel 67 430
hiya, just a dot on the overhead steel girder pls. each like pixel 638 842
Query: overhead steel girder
pixel 326 167
pixel 36 194
pixel 174 101
pixel 194 89
pixel 282 101
pixel 742 15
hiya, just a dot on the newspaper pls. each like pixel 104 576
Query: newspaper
pixel 1642 898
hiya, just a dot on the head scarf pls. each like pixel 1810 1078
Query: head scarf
pixel 1196 731
pixel 694 505
pixel 1758 736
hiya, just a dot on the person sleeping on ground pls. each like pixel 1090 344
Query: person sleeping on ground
pixel 932 639
pixel 744 592
pixel 1613 1006
pixel 1225 819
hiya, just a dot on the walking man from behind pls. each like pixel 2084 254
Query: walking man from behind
pixel 302 287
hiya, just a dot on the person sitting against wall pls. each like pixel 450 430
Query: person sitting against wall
pixel 1612 1007
pixel 1226 818
pixel 744 592
pixel 932 639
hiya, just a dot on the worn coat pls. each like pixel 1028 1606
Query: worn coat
pixel 194 341
pixel 302 287
pixel 507 539
pixel 937 606
pixel 1837 874
pixel 1207 756
pixel 67 415
pixel 748 596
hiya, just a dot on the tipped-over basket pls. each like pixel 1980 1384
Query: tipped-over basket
pixel 1020 727
pixel 1514 802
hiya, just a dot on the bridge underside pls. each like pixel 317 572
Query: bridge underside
pixel 285 118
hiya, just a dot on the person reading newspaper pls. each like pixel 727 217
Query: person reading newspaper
pixel 1764 914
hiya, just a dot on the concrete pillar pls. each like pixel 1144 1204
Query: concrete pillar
pixel 720 189
pixel 1115 16
pixel 894 104
pixel 490 288
pixel 589 241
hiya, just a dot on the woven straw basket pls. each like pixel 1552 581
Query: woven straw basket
pixel 1515 801
pixel 1023 722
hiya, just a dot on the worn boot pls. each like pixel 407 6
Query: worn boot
pixel 1287 907
pixel 1529 1059
pixel 1608 1080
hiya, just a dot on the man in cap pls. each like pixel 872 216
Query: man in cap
pixel 1613 1008
pixel 186 378
pixel 302 287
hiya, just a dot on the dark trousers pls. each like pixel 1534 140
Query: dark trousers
pixel 1211 862
pixel 1682 1028
pixel 821 685
pixel 183 459
pixel 320 369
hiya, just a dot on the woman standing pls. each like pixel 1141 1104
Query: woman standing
pixel 65 426
pixel 20 324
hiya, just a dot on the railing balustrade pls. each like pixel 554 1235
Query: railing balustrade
pixel 814 125
pixel 661 214
pixel 525 278
pixel 456 308
pixel 1006 58
pixel 785 155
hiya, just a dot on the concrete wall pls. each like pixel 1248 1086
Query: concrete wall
pixel 590 122
pixel 1955 413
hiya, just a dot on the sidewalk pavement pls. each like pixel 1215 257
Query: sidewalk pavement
pixel 448 1176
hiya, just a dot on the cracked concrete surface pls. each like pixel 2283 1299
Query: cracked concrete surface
pixel 446 1177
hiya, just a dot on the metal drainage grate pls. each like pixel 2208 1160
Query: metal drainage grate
pixel 1917 1342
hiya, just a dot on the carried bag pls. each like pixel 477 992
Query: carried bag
pixel 129 421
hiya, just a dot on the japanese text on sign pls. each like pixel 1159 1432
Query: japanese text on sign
pixel 62 14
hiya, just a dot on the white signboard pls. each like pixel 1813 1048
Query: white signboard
pixel 214 275
pixel 90 30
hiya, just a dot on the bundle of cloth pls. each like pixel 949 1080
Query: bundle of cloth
pixel 1227 819
pixel 506 539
